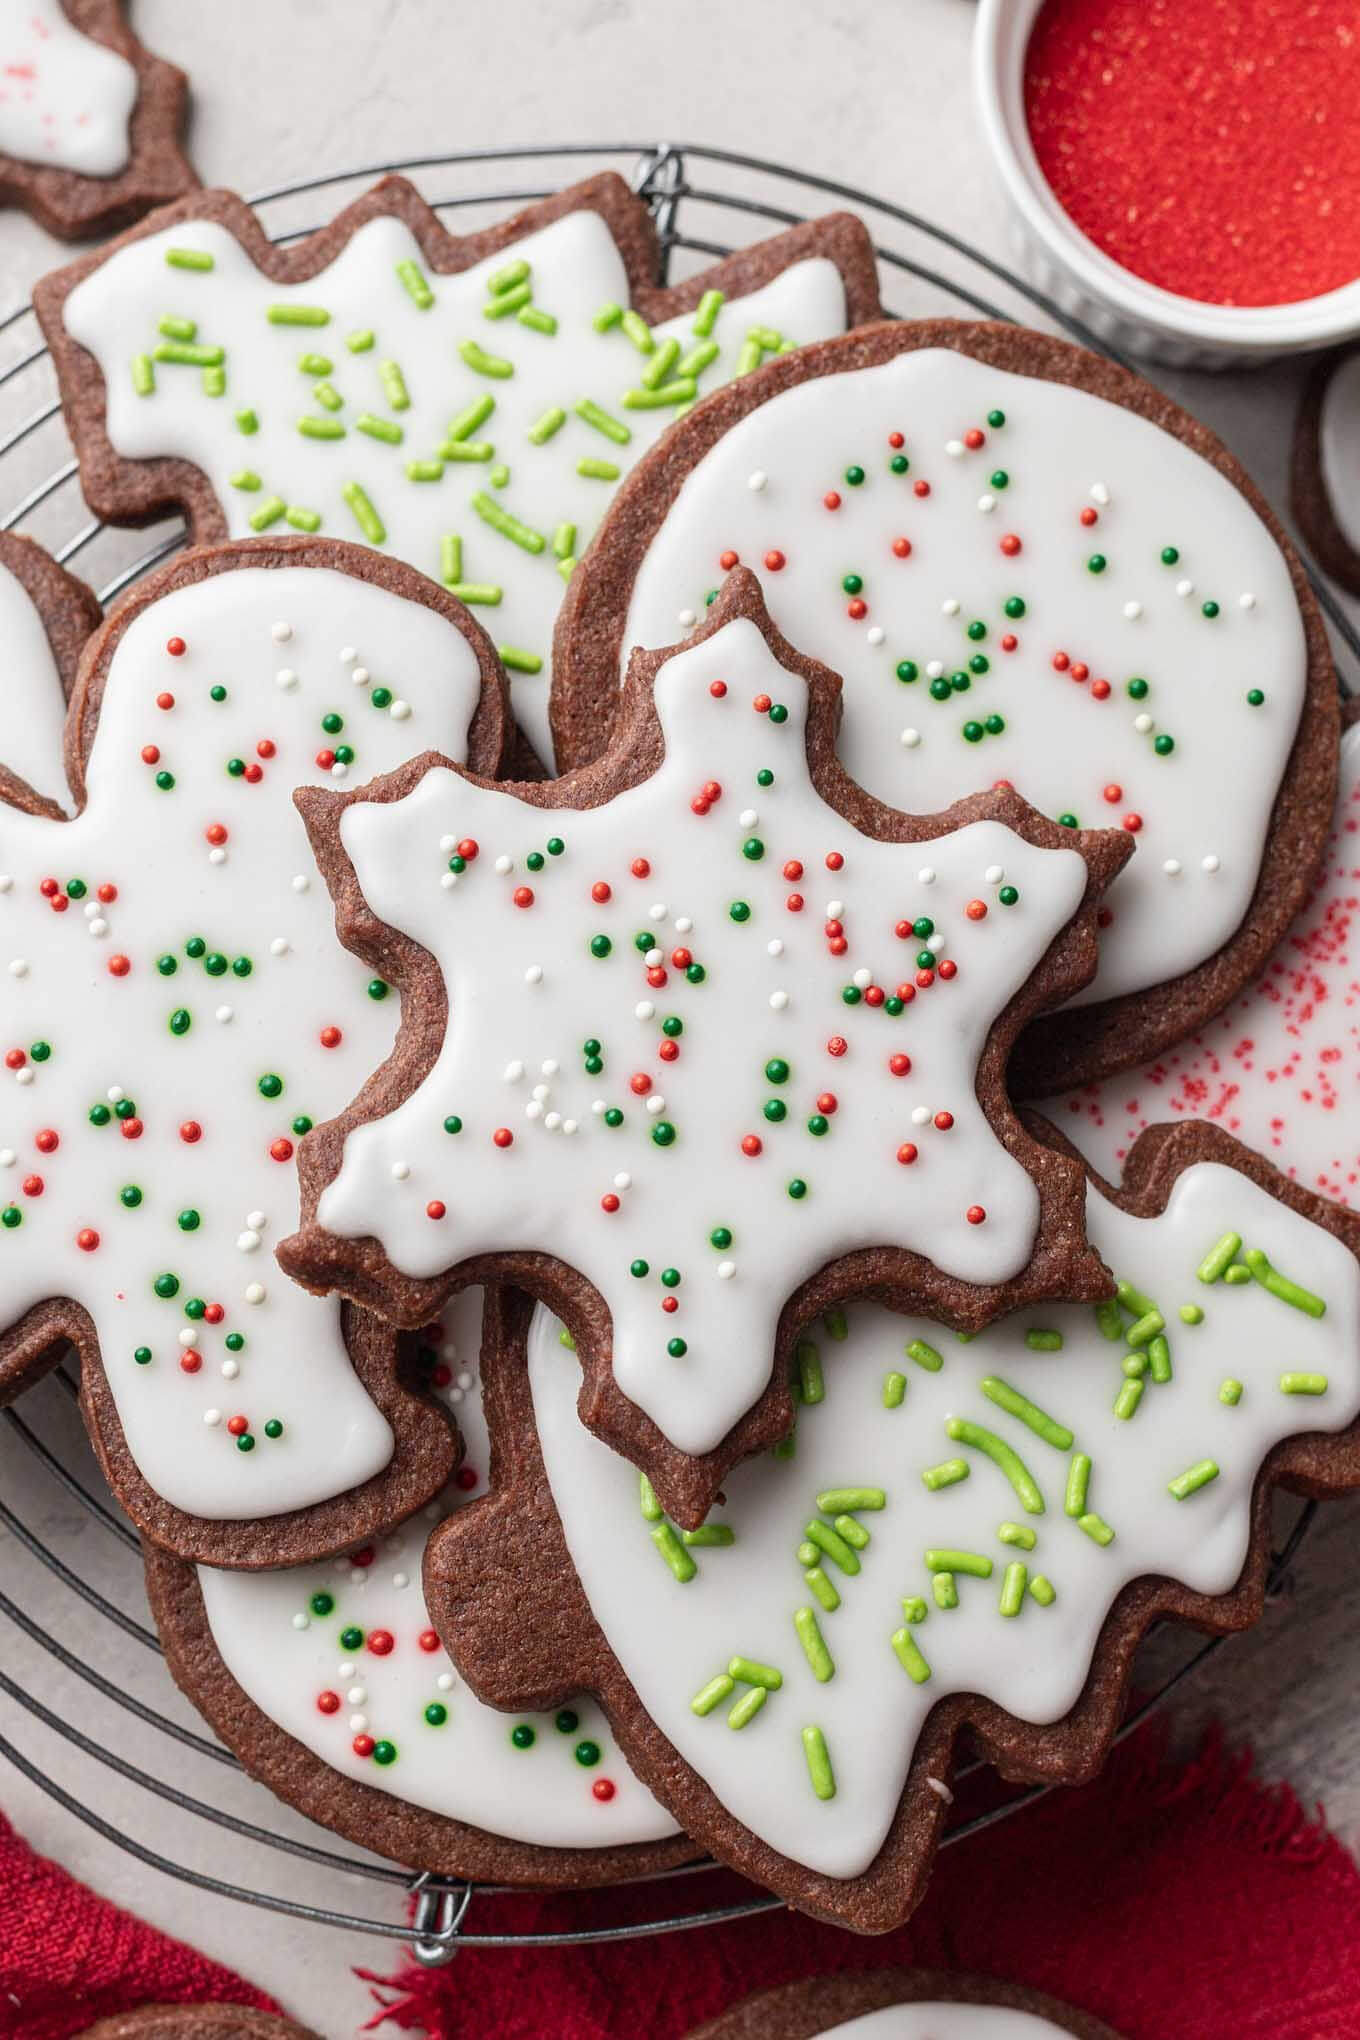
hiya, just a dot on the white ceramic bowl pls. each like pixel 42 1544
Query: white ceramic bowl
pixel 1138 317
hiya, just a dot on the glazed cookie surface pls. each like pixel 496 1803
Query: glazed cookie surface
pixel 902 2004
pixel 177 1012
pixel 695 1041
pixel 1029 566
pixel 971 1531
pixel 330 1685
pixel 465 404
pixel 1325 472
pixel 1280 1068
pixel 90 121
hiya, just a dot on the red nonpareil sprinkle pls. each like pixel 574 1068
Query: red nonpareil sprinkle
pixel 944 1120
pixel 640 867
pixel 176 647
pixel 831 500
pixel 33 1186
pixel 216 832
pixel 600 892
pixel 119 965
pixel 976 1215
pixel 973 438
pixel 1190 140
pixel 281 1150
pixel 670 1303
pixel 947 969
pixel 466 1478
pixel 906 1154
pixel 900 1065
pixel 523 896
pixel 330 1037
pixel 238 1426
pixel 363 1746
pixel 774 561
pixel 213 1313
pixel 837 1045
pixel 750 1144
pixel 1090 515
pixel 603 1789
pixel 902 548
pixel 1113 793
pixel 131 1129
pixel 609 1202
pixel 107 893
pixel 15 1059
pixel 921 488
pixel 1010 545
pixel 190 1362
pixel 834 860
pixel 380 1642
pixel 717 688
pixel 428 1638
pixel 503 1137
pixel 190 1131
pixel 364 1556
pixel 328 1702
pixel 668 1050
pixel 728 560
pixel 1101 689
pixel 265 748
pixel 166 701
pixel 151 755
pixel 47 1140
pixel 436 1208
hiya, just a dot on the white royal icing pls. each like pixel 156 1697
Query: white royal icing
pixel 1281 1067
pixel 943 2020
pixel 289 645
pixel 31 701
pixel 1339 446
pixel 527 994
pixel 287 1655
pixel 574 269
pixel 65 99
pixel 1086 749
pixel 672 1637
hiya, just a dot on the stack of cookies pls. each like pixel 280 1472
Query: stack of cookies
pixel 681 1040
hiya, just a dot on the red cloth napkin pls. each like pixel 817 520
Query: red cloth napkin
pixel 69 1958
pixel 1186 1900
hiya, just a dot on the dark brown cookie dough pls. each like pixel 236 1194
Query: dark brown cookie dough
pixel 814 2006
pixel 426 1448
pixel 197 2022
pixel 517 1646
pixel 1309 496
pixel 78 207
pixel 359 1268
pixel 1065 1049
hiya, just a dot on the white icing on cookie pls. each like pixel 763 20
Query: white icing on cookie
pixel 1084 481
pixel 199 897
pixel 65 100
pixel 1281 1067
pixel 1142 1434
pixel 523 419
pixel 712 1008
pixel 31 702
pixel 942 2020
pixel 1339 446
pixel 420 1734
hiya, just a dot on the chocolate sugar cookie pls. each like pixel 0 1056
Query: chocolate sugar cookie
pixel 90 121
pixel 1325 471
pixel 696 1041
pixel 1030 566
pixel 465 403
pixel 177 1013
pixel 954 1534
pixel 197 2022
pixel 902 2004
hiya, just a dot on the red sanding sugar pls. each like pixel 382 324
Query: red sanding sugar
pixel 1210 146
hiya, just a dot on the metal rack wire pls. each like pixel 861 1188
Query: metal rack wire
pixel 704 202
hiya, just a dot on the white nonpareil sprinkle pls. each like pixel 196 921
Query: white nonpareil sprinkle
pixel 909 739
pixel 1133 610
pixel 286 679
pixel 534 974
pixel 400 1171
pixel 1099 493
pixel 778 1001
pixel 1209 863
pixel 281 632
pixel 875 634
pixel 757 479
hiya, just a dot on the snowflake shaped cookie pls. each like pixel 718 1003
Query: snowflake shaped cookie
pixel 175 1012
pixel 696 1040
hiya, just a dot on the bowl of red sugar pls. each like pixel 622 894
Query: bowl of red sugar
pixel 1184 174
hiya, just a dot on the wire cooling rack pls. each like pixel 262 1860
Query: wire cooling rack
pixel 72 1610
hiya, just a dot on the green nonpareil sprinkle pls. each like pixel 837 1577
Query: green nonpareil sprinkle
pixel 662 362
pixel 598 470
pixel 1191 1314
pixel 819 1763
pixel 424 470
pixel 1133 1300
pixel 482 363
pixel 637 329
pixel 500 519
pixel 1146 1327
pixel 247 422
pixel 508 277
pixel 1109 1318
pixel 712 1695
pixel 964 1432
pixel 246 478
pixel 751 356
pixel 1128 1398
pixel 543 428
pixel 894 1391
pixel 945 1474
pixel 188 258
pixel 413 282
pixel 1280 1285
pixel 1303 1384
pixel 508 301
pixel 361 342
pixel 594 414
pixel 185 354
pixel 751 1672
pixel 470 417
pixel 854 1533
pixel 394 385
pixel 328 396
pixel 450 558
pixel 914 1608
pixel 1019 1534
pixel 834 1501
pixel 174 328
pixel 564 542
pixel 748 1707
pixel 214 382
pixel 1237 1274
pixel 486 593
pixel 833 1545
pixel 536 319
pixel 365 516
pixel 766 337
pixel 1220 1257
pixel 566 567
pixel 1013 1584
pixel 945 1592
pixel 1134 1366
pixel 1159 1357
pixel 1078 1480
pixel 814 1645
pixel 516 660
pixel 607 317
pixel 321 428
pixel 706 313
pixel 698 359
pixel 710 1536
pixel 315 364
pixel 683 390
pixel 1230 1391
pixel 1193 1479
pixel 1029 1413
pixel 811 1381
pixel 837 1324
pixel 976 1564
pixel 821 1586
pixel 925 1356
pixel 301 518
pixel 298 315
pixel 466 449
pixel 269 512
pixel 143 375
pixel 385 429
pixel 1096 1528
pixel 1043 1590
pixel 674 1553
pixel 910 1656
pixel 647 1501
pixel 1038 1340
